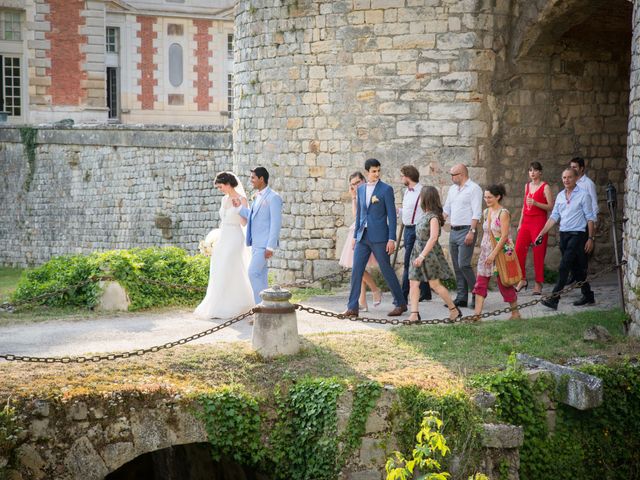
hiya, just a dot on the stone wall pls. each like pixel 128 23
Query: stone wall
pixel 323 85
pixel 99 188
pixel 632 202
pixel 88 437
pixel 566 95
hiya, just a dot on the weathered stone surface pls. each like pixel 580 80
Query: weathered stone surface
pixel 484 400
pixel 151 431
pixel 31 461
pixel 371 452
pixel 365 475
pixel 83 462
pixel 275 329
pixel 117 454
pixel 375 423
pixel 596 333
pixel 113 297
pixel 502 436
pixel 573 388
pixel 79 411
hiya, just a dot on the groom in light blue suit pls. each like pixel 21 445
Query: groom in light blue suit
pixel 264 219
pixel 375 232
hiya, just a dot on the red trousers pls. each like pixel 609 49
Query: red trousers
pixel 529 230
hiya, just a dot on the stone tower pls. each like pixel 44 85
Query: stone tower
pixel 321 85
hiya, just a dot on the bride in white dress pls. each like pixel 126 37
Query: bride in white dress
pixel 229 291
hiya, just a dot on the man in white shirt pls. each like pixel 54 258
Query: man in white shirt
pixel 411 213
pixel 463 210
pixel 585 183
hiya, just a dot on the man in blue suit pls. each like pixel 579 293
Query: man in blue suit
pixel 375 232
pixel 264 219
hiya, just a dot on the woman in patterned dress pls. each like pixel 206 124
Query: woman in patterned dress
pixel 427 258
pixel 499 228
pixel 346 257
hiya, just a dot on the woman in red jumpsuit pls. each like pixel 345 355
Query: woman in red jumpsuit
pixel 537 204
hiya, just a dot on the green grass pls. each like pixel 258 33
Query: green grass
pixel 480 347
pixel 8 281
pixel 301 294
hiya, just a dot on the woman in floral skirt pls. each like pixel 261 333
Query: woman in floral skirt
pixel 496 223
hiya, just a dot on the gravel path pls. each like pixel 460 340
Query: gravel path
pixel 131 331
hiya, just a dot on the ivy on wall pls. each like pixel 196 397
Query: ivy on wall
pixel 302 442
pixel 601 443
pixel 28 137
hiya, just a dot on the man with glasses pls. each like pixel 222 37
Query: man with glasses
pixel 463 210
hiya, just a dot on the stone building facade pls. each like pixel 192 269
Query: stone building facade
pixel 133 61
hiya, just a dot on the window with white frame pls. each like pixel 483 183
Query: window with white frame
pixel 112 40
pixel 10 86
pixel 10 25
pixel 230 93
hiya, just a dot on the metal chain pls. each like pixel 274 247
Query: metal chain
pixel 312 310
pixel 310 281
pixel 447 320
pixel 133 353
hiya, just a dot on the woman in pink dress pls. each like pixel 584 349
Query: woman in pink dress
pixel 537 204
pixel 346 258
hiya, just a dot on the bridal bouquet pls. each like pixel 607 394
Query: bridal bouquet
pixel 206 246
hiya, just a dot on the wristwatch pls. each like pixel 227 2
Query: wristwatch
pixel 472 230
pixel 592 238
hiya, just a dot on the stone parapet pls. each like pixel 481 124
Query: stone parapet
pixel 94 188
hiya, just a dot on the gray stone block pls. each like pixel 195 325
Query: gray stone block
pixel 577 389
pixel 502 436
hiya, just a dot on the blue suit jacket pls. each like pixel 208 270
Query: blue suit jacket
pixel 264 221
pixel 380 217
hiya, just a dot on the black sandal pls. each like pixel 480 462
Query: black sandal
pixel 459 316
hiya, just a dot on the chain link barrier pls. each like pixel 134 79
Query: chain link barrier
pixel 311 310
pixel 133 353
pixel 463 319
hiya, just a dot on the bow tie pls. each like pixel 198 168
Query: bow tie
pixel 411 189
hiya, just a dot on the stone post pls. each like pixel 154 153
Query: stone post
pixel 275 329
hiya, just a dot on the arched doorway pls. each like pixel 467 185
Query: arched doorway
pixel 563 91
pixel 183 462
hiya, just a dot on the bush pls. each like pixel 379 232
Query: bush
pixel 132 268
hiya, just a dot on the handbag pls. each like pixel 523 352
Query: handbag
pixel 507 262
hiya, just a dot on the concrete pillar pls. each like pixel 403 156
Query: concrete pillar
pixel 275 329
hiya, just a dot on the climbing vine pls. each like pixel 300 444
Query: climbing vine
pixel 232 420
pixel 9 430
pixel 302 442
pixel 600 443
pixel 28 136
pixel 364 400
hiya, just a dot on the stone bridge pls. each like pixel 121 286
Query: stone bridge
pixel 96 437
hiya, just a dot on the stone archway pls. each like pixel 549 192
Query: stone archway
pixel 563 91
pixel 185 462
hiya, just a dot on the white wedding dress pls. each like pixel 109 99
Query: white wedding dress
pixel 229 291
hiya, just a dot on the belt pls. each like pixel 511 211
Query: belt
pixel 409 226
pixel 460 227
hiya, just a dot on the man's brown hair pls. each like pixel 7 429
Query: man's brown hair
pixel 410 172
